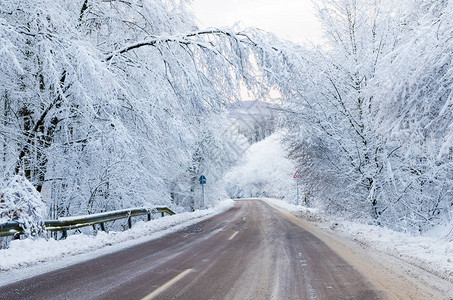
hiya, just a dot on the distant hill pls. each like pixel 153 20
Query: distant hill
pixel 254 119
pixel 252 109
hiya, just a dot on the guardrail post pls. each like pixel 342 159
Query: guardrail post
pixel 64 234
pixel 149 217
pixel 102 226
pixel 163 214
pixel 129 222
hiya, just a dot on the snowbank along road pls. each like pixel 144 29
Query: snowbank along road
pixel 253 251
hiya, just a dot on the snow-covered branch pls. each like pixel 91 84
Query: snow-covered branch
pixel 186 39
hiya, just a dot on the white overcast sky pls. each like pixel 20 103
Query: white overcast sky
pixel 293 20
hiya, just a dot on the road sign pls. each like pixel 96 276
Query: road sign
pixel 297 175
pixel 202 179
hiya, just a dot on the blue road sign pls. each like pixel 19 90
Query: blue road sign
pixel 202 182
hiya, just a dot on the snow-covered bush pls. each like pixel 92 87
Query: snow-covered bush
pixel 21 202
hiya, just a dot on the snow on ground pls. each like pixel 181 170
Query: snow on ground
pixel 309 213
pixel 265 172
pixel 57 254
pixel 432 254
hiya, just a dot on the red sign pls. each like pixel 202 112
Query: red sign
pixel 297 175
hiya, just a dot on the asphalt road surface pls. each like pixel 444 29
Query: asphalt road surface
pixel 252 251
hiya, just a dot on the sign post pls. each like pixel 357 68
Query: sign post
pixel 202 182
pixel 297 177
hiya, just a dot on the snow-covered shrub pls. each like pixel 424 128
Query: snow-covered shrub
pixel 21 202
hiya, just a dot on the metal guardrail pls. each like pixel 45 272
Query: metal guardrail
pixel 10 228
pixel 68 223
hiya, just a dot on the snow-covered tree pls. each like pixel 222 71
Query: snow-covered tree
pixel 337 149
pixel 371 112
pixel 105 101
pixel 413 94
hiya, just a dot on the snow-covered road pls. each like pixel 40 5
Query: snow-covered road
pixel 256 250
pixel 252 251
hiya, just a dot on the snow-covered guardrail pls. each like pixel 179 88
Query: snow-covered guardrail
pixel 68 223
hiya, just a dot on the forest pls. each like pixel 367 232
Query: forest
pixel 122 103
